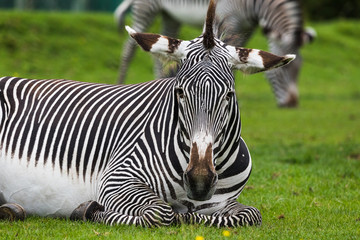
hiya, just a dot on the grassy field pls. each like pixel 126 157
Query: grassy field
pixel 306 173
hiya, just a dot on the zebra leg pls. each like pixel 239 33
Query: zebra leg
pixel 132 204
pixel 85 211
pixel 236 214
pixel 233 215
pixel 127 55
pixel 160 214
pixel 143 13
pixel 171 29
pixel 12 212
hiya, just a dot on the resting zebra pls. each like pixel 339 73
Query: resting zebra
pixel 152 154
pixel 280 20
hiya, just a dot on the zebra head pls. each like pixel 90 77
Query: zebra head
pixel 284 80
pixel 204 97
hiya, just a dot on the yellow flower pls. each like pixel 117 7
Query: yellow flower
pixel 199 238
pixel 226 233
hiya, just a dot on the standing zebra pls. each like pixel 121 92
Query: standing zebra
pixel 280 20
pixel 151 154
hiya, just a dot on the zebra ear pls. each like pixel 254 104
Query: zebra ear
pixel 164 47
pixel 252 60
pixel 308 35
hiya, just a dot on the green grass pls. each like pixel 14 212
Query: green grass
pixel 306 174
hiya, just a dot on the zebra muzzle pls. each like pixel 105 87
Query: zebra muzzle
pixel 200 177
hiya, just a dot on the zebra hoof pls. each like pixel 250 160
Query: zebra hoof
pixel 12 212
pixel 85 211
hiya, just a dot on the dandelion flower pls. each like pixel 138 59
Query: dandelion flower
pixel 199 238
pixel 226 233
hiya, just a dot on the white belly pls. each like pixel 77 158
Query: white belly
pixel 193 15
pixel 41 190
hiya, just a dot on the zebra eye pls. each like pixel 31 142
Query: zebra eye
pixel 229 95
pixel 180 93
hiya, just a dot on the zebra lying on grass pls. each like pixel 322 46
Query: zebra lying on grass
pixel 236 20
pixel 152 154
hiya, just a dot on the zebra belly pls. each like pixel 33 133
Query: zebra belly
pixel 193 15
pixel 41 190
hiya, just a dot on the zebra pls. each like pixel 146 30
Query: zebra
pixel 236 20
pixel 157 153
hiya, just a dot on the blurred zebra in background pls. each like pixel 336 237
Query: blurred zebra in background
pixel 281 22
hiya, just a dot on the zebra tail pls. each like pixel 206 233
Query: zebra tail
pixel 119 13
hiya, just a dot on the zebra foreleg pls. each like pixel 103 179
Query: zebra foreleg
pixel 233 215
pixel 143 13
pixel 12 212
pixel 171 28
pixel 134 203
pixel 149 216
pixel 236 214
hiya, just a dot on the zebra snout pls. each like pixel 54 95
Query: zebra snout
pixel 292 98
pixel 200 176
pixel 200 186
pixel 292 102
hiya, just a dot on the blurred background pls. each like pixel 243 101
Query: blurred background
pixel 61 5
pixel 314 10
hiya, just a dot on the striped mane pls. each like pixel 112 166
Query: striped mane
pixel 208 35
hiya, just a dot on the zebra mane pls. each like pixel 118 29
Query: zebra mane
pixel 208 35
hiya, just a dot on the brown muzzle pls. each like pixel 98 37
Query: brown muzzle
pixel 200 177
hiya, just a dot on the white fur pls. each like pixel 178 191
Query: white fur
pixel 255 60
pixel 130 30
pixel 161 46
pixel 202 140
pixel 290 56
pixel 41 190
